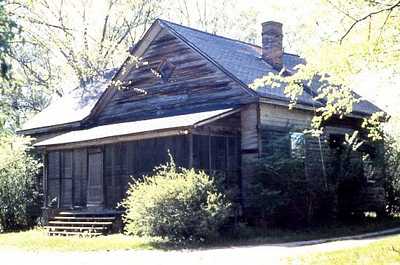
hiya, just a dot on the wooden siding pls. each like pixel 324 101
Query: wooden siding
pixel 250 148
pixel 54 175
pixel 277 122
pixel 216 154
pixel 195 84
pixel 79 176
pixel 66 179
pixel 283 117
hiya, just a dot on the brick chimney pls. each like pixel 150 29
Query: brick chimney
pixel 272 44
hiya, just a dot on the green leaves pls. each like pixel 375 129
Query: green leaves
pixel 175 203
pixel 17 172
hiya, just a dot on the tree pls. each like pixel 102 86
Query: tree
pixel 221 17
pixel 17 188
pixel 366 43
pixel 8 31
pixel 82 38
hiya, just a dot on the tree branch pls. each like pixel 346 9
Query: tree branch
pixel 357 21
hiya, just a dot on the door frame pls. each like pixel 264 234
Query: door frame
pixel 90 151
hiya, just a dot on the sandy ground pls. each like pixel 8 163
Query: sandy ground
pixel 246 255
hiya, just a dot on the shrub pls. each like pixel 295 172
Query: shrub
pixel 392 178
pixel 283 195
pixel 17 172
pixel 175 203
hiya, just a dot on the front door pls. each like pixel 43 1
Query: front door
pixel 95 189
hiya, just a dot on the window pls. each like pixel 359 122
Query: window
pixel 369 154
pixel 165 69
pixel 297 144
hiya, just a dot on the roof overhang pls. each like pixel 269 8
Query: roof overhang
pixel 136 130
pixel 306 107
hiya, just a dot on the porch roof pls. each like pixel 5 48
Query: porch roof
pixel 185 121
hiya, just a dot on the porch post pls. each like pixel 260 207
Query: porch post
pixel 45 178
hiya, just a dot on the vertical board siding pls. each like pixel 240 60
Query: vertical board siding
pixel 66 179
pixel 54 175
pixel 80 176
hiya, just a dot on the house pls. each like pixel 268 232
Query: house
pixel 189 94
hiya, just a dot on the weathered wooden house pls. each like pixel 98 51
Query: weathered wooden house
pixel 189 94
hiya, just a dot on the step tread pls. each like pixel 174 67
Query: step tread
pixel 52 228
pixel 81 223
pixel 95 213
pixel 54 233
pixel 83 217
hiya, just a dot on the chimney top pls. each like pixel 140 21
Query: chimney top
pixel 273 23
pixel 272 49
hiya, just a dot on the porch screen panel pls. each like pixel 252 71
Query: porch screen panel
pixel 66 179
pixel 181 153
pixel 233 162
pixel 80 176
pixel 201 151
pixel 53 182
pixel 218 155
pixel 110 172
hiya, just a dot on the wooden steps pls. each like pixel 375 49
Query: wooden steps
pixel 81 234
pixel 82 223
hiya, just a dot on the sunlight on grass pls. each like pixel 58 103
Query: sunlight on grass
pixel 385 252
pixel 37 239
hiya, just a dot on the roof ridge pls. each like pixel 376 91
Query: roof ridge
pixel 219 36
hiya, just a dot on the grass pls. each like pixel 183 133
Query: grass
pixel 385 251
pixel 37 239
pixel 257 236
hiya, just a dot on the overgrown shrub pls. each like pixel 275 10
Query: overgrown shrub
pixel 282 193
pixel 17 171
pixel 392 172
pixel 284 196
pixel 175 203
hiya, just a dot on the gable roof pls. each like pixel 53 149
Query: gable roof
pixel 240 60
pixel 244 61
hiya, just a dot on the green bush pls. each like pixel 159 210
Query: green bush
pixel 283 195
pixel 17 172
pixel 175 203
pixel 392 174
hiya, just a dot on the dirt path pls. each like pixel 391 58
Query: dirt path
pixel 251 255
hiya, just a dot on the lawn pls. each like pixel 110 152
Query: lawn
pixel 386 252
pixel 37 239
pixel 257 236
